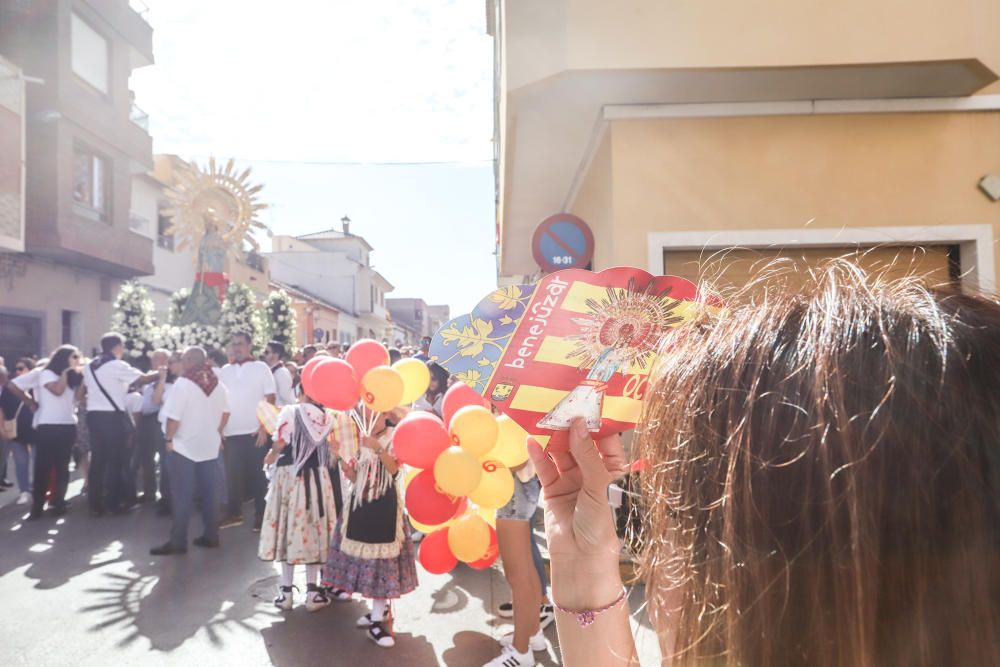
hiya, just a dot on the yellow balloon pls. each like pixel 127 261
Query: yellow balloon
pixel 469 538
pixel 457 471
pixel 416 378
pixel 474 429
pixel 488 515
pixel 511 449
pixel 382 389
pixel 495 488
pixel 425 528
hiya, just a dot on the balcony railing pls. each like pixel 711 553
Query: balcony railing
pixel 139 117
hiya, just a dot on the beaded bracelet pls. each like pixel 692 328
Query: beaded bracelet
pixel 586 617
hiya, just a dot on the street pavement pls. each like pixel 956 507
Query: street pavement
pixel 84 591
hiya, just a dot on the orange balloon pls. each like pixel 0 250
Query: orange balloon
pixel 457 471
pixel 469 538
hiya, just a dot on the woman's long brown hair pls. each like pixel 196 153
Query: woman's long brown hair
pixel 823 479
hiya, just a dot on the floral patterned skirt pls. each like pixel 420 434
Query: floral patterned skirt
pixel 293 530
pixel 375 578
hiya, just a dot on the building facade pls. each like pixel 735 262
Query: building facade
pixel 335 266
pixel 676 130
pixel 414 319
pixel 82 146
pixel 317 321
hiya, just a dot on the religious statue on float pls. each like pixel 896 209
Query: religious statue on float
pixel 215 211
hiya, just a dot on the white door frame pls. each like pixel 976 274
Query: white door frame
pixel 975 243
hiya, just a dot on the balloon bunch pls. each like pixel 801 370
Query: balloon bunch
pixel 364 375
pixel 461 477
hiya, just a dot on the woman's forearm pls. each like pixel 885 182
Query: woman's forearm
pixel 608 640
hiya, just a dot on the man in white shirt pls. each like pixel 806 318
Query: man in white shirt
pixel 196 411
pixel 274 357
pixel 108 379
pixel 249 382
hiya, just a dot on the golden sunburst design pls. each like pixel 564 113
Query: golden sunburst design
pixel 217 201
pixel 628 321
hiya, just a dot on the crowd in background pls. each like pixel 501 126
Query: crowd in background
pixel 187 434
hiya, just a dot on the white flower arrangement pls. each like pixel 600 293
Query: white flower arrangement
pixel 133 318
pixel 279 320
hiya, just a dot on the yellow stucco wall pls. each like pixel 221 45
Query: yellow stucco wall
pixel 556 35
pixel 595 204
pixel 787 172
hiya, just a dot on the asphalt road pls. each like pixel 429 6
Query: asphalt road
pixel 83 591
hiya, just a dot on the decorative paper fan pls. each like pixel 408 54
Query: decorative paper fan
pixel 267 415
pixel 576 344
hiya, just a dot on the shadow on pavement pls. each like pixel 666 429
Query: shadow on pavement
pixel 121 605
pixel 330 636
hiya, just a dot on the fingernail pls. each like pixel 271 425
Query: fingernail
pixel 580 428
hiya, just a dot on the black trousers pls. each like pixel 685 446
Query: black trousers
pixel 53 450
pixel 147 444
pixel 245 477
pixel 108 459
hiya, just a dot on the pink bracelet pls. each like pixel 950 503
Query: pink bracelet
pixel 587 617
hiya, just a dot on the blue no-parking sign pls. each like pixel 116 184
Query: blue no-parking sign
pixel 562 241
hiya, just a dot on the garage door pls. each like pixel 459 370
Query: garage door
pixel 731 269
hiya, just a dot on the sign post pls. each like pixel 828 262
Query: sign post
pixel 562 241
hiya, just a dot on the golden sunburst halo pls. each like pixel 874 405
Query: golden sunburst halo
pixel 216 197
pixel 630 320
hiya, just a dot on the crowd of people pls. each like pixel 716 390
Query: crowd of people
pixel 188 436
pixel 819 482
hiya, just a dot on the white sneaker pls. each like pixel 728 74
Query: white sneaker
pixel 511 658
pixel 365 621
pixel 316 598
pixel 382 637
pixel 546 615
pixel 24 498
pixel 284 599
pixel 535 643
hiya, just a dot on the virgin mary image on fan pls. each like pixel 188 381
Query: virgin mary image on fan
pixel 621 331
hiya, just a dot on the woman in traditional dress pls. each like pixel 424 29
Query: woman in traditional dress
pixel 300 514
pixel 372 553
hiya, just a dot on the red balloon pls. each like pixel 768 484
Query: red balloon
pixel 365 355
pixel 419 439
pixel 492 553
pixel 435 554
pixel 335 385
pixel 428 505
pixel 307 371
pixel 457 397
pixel 463 504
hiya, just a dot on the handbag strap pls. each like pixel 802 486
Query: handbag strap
pixel 103 390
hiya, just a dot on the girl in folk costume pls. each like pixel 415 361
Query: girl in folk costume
pixel 300 514
pixel 433 398
pixel 372 553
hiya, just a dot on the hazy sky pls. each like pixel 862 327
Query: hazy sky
pixel 299 88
